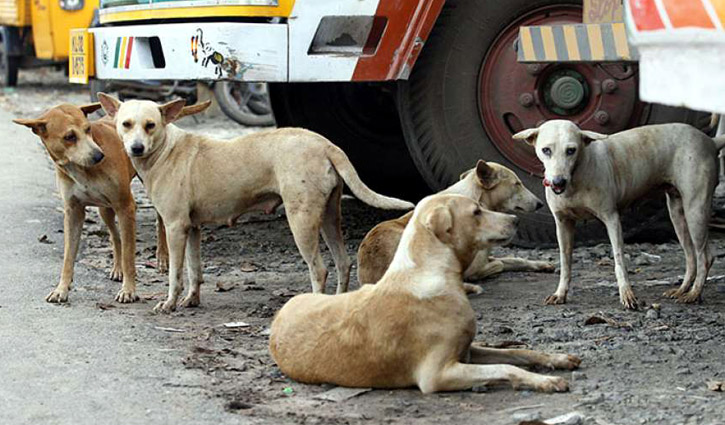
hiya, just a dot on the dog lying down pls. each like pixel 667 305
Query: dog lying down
pixel 415 326
pixel 192 179
pixel 588 174
pixel 497 188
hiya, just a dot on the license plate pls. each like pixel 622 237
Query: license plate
pixel 80 61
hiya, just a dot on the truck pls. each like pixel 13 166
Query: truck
pixel 36 33
pixel 414 91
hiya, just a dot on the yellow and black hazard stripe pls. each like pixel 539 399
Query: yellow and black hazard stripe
pixel 575 43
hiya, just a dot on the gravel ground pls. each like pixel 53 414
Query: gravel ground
pixel 649 366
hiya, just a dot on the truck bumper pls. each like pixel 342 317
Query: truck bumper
pixel 191 51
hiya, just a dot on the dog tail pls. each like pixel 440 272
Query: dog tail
pixel 719 142
pixel 344 168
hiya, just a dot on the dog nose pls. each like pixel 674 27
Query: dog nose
pixel 539 204
pixel 137 149
pixel 98 157
pixel 559 181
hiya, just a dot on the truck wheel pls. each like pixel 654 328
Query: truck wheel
pixel 465 103
pixel 8 62
pixel 362 120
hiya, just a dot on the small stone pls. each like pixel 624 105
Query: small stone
pixel 652 314
pixel 526 416
pixel 578 376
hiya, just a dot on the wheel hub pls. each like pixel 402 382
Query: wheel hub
pixel 566 92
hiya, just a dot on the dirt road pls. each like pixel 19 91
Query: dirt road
pixel 94 360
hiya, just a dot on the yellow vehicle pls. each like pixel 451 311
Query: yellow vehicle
pixel 36 33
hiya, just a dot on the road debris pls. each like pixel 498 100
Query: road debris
pixel 44 239
pixel 224 287
pixel 234 325
pixel 165 329
pixel 339 394
pixel 718 386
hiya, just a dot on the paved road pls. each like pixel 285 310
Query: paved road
pixel 74 364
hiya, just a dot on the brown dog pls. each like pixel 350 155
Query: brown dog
pixel 193 179
pixel 497 188
pixel 91 169
pixel 415 326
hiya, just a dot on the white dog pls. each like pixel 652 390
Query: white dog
pixel 591 174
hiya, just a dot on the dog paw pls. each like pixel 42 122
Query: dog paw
pixel 125 296
pixel 555 299
pixel 689 298
pixel 628 299
pixel 550 384
pixel 165 307
pixel 57 296
pixel 191 300
pixel 546 267
pixel 673 293
pixel 116 274
pixel 564 361
pixel 472 290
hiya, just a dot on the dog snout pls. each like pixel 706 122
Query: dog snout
pixel 558 184
pixel 98 156
pixel 137 149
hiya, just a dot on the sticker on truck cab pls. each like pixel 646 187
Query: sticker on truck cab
pixel 80 59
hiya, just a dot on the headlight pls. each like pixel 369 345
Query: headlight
pixel 71 4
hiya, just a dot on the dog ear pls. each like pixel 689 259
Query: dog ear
pixel 90 108
pixel 39 126
pixel 487 176
pixel 171 111
pixel 590 136
pixel 193 109
pixel 109 103
pixel 440 223
pixel 529 136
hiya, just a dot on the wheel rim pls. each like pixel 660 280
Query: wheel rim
pixel 515 96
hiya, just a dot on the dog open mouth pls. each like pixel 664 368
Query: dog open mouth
pixel 558 189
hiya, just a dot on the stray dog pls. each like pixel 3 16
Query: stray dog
pixel 591 174
pixel 192 179
pixel 497 188
pixel 415 326
pixel 91 168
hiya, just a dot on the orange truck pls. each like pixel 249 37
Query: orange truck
pixel 415 91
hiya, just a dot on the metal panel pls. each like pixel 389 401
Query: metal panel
pixel 240 51
pixel 575 43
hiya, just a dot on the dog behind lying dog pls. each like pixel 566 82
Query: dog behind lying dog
pixel 590 174
pixel 415 326
pixel 193 179
pixel 496 187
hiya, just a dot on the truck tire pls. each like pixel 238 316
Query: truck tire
pixel 467 95
pixel 362 120
pixel 9 63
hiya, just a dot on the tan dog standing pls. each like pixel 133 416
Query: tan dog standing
pixel 91 168
pixel 497 188
pixel 192 179
pixel 591 174
pixel 415 326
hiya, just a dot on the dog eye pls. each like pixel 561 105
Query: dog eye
pixel 570 151
pixel 70 137
pixel 546 151
pixel 150 126
pixel 127 124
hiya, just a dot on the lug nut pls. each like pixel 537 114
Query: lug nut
pixel 609 85
pixel 601 117
pixel 526 99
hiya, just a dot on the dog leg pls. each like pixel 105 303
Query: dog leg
pixel 127 222
pixel 677 215
pixel 462 376
pixel 513 264
pixel 162 249
pixel 482 267
pixel 614 230
pixel 176 236
pixel 109 218
pixel 565 236
pixel 73 219
pixel 697 213
pixel 523 358
pixel 306 231
pixel 193 268
pixel 332 234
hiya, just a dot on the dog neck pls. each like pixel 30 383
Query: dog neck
pixel 423 264
pixel 146 164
